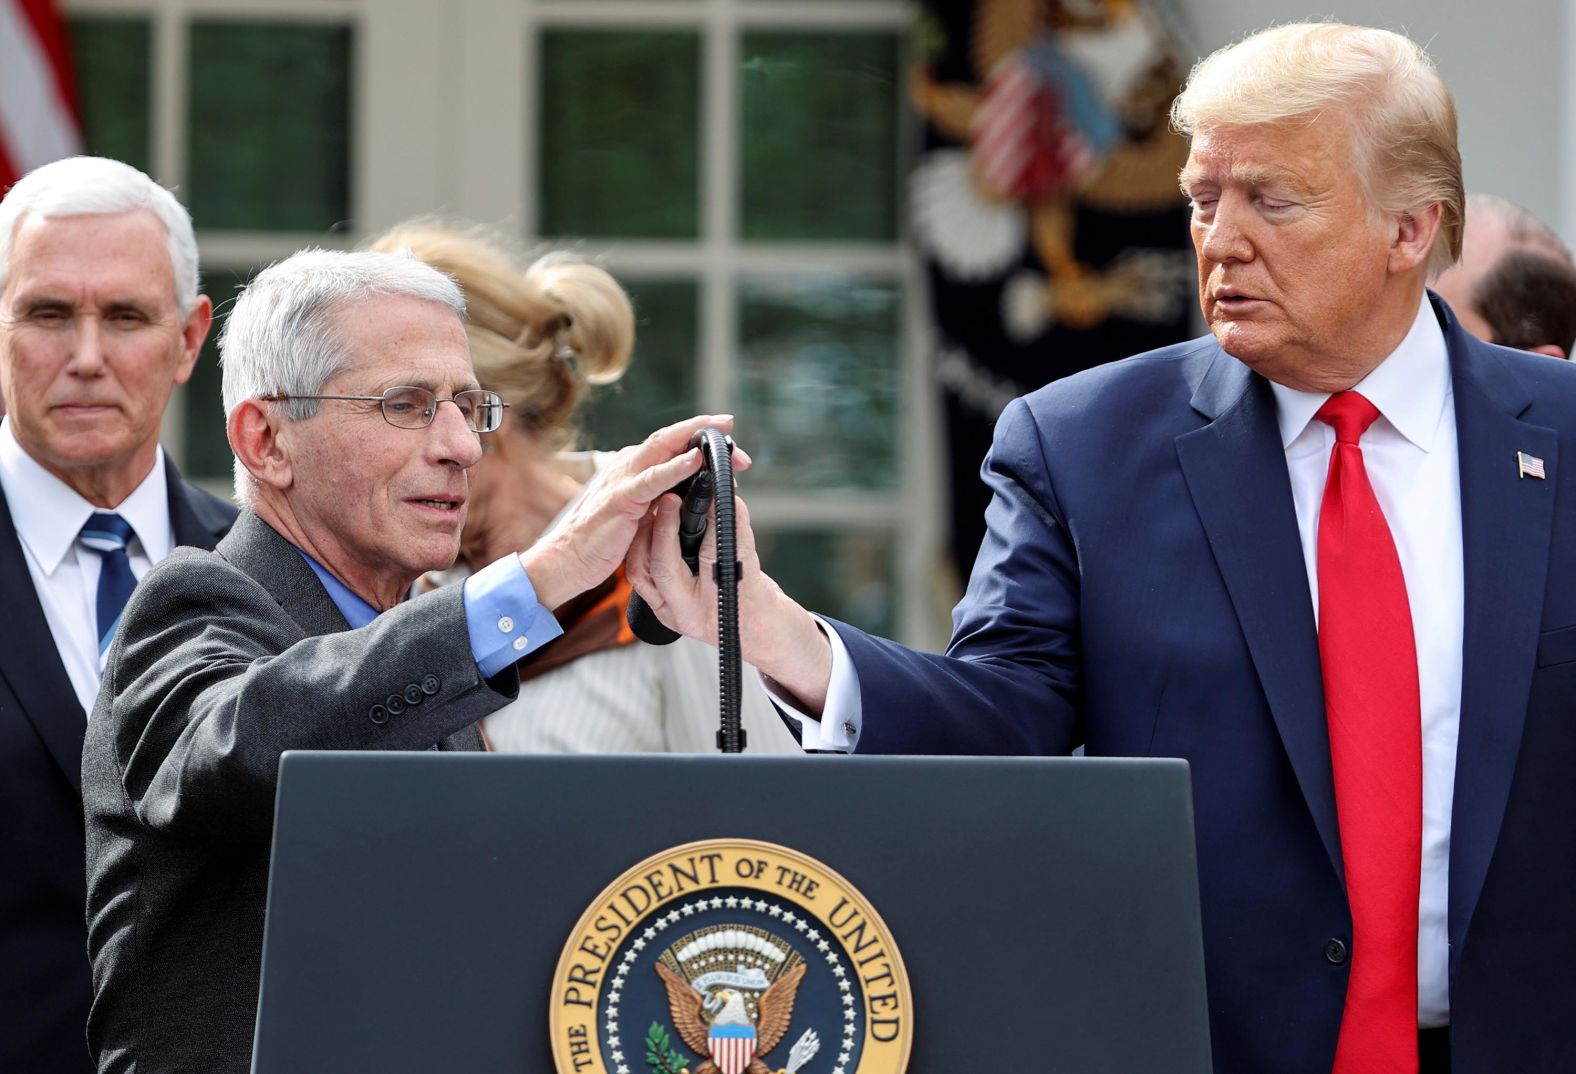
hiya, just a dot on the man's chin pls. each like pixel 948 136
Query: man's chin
pixel 440 554
pixel 1245 341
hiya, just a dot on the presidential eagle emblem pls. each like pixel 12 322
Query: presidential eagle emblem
pixel 730 956
pixel 734 1016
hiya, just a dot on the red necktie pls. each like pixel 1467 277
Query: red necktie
pixel 1369 660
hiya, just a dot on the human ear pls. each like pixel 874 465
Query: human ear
pixel 193 332
pixel 253 431
pixel 1412 237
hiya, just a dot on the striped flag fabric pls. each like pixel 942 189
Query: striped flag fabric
pixel 39 117
pixel 1530 466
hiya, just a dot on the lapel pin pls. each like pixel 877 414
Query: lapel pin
pixel 1529 466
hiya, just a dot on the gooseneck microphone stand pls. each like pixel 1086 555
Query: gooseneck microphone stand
pixel 713 482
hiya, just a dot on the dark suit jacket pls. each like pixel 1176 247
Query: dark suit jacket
pixel 222 661
pixel 1142 590
pixel 44 986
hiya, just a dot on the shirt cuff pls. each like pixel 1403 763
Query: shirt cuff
pixel 838 727
pixel 505 620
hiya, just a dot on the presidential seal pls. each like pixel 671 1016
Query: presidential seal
pixel 730 956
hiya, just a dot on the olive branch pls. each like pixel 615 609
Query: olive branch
pixel 660 1056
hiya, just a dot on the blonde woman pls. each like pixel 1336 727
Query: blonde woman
pixel 543 332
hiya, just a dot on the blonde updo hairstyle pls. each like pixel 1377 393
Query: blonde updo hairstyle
pixel 1403 117
pixel 541 331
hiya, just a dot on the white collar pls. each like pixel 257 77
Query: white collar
pixel 1409 387
pixel 48 513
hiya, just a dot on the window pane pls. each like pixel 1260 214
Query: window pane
pixel 269 115
pixel 619 153
pixel 820 382
pixel 114 85
pixel 847 576
pixel 659 386
pixel 206 449
pixel 820 136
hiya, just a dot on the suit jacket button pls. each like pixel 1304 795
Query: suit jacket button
pixel 413 695
pixel 430 684
pixel 378 714
pixel 395 704
pixel 1336 951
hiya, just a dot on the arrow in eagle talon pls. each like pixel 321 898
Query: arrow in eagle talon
pixel 803 1050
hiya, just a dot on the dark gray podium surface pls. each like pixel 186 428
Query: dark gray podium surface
pixel 1046 909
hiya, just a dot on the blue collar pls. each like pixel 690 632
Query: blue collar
pixel 357 612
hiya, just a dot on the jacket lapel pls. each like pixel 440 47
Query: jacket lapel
pixel 277 565
pixel 196 519
pixel 1235 469
pixel 1506 528
pixel 30 664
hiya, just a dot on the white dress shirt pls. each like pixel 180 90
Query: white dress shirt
pixel 48 515
pixel 1411 457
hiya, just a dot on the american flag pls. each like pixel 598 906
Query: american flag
pixel 1038 130
pixel 1529 466
pixel 38 99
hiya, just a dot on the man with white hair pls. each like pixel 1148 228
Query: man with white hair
pixel 1320 555
pixel 99 320
pixel 354 416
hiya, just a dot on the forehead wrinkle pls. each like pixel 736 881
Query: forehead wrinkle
pixel 421 380
pixel 67 290
pixel 1238 173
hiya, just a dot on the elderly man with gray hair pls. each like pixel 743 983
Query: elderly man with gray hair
pixel 100 319
pixel 1320 554
pixel 354 416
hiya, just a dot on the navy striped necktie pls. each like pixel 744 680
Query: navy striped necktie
pixel 107 533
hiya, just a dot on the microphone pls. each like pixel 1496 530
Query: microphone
pixel 697 493
pixel 714 482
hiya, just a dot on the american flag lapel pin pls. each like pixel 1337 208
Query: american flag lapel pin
pixel 1529 466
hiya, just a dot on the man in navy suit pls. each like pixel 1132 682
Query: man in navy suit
pixel 1323 556
pixel 99 320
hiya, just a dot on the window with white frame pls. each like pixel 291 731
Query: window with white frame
pixel 738 164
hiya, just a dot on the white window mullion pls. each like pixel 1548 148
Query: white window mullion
pixel 719 193
pixel 167 72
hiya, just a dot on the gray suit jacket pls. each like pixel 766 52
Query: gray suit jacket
pixel 222 662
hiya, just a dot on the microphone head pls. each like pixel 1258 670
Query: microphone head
pixel 645 624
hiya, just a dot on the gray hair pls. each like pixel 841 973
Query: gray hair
pixel 283 335
pixel 1403 118
pixel 82 186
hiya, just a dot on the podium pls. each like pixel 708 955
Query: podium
pixel 826 915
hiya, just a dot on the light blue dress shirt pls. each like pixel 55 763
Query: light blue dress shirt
pixel 505 620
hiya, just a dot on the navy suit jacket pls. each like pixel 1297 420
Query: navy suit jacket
pixel 44 983
pixel 1142 591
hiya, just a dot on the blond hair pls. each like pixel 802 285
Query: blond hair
pixel 1402 115
pixel 541 332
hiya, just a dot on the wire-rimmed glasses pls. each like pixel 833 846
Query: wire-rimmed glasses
pixel 406 406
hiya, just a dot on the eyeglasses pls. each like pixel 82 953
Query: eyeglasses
pixel 408 407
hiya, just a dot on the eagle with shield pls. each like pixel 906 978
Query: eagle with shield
pixel 719 1024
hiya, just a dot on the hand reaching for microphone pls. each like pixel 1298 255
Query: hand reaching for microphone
pixel 595 536
pixel 776 633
